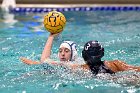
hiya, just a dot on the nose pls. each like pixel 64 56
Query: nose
pixel 62 53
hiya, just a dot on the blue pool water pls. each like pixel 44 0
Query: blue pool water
pixel 25 36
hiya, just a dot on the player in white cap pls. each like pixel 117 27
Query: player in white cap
pixel 67 52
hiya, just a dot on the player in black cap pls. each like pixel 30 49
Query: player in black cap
pixel 92 54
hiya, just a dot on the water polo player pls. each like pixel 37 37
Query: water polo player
pixel 67 52
pixel 92 54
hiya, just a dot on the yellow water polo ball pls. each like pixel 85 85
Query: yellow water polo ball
pixel 54 22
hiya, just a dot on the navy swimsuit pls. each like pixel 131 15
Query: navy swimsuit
pixel 100 69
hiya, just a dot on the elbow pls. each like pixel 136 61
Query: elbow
pixel 42 60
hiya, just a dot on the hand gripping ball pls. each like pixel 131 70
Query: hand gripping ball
pixel 54 22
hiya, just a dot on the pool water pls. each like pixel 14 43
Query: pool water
pixel 25 36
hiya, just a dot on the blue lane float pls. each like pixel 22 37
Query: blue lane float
pixel 107 8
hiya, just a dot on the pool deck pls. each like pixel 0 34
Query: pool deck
pixel 75 3
pixel 72 5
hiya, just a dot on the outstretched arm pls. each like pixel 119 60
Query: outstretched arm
pixel 28 61
pixel 31 62
pixel 45 54
pixel 130 67
pixel 117 65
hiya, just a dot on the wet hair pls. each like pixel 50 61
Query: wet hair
pixel 93 52
pixel 72 47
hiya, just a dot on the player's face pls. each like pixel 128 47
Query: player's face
pixel 64 54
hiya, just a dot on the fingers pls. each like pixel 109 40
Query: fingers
pixel 24 60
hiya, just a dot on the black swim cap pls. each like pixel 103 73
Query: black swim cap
pixel 92 49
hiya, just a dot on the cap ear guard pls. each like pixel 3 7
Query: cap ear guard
pixel 74 53
pixel 88 59
pixel 84 55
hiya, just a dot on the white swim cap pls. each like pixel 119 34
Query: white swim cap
pixel 72 47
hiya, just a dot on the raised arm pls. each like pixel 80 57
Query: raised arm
pixel 48 47
pixel 45 53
